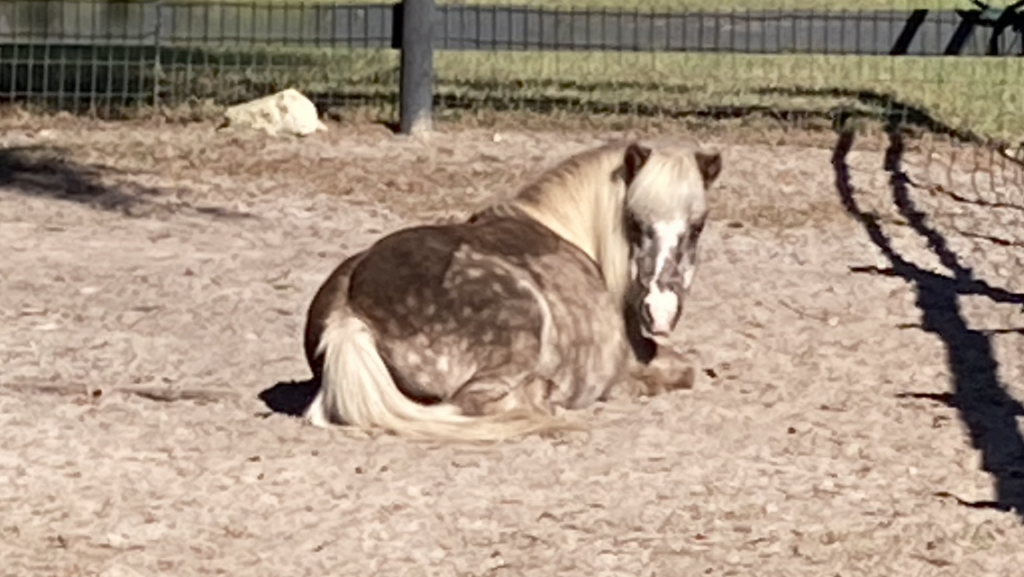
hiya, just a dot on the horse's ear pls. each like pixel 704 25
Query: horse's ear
pixel 636 158
pixel 710 165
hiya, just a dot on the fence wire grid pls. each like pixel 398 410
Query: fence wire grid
pixel 944 66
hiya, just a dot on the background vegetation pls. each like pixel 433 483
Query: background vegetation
pixel 940 94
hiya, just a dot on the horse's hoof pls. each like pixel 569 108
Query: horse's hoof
pixel 660 378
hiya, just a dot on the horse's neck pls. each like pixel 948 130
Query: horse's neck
pixel 609 239
pixel 588 213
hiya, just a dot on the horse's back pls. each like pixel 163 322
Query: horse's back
pixel 452 303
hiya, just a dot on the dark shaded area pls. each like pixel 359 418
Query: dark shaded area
pixel 998 20
pixel 888 109
pixel 883 108
pixel 981 400
pixel 980 202
pixel 491 99
pixel 292 398
pixel 811 119
pixel 47 172
pixel 913 23
pixel 951 399
pixel 989 332
pixel 992 239
pixel 289 397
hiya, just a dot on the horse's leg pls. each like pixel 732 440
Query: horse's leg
pixel 666 373
pixel 670 370
pixel 655 368
pixel 496 395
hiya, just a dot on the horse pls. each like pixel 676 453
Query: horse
pixel 483 329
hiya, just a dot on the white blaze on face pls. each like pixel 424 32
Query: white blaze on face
pixel 663 304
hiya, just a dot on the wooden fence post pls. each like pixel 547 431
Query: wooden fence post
pixel 417 70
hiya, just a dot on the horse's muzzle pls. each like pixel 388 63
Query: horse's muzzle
pixel 659 312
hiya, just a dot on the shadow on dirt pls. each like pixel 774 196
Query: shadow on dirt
pixel 45 171
pixel 289 397
pixel 809 108
pixel 981 400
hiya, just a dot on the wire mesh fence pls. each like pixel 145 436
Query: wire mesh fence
pixel 943 66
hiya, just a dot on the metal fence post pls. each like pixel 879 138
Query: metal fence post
pixel 157 68
pixel 416 85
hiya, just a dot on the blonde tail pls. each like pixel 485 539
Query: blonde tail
pixel 357 389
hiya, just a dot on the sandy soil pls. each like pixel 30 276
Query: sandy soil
pixel 846 422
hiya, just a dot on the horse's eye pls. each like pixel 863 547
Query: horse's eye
pixel 647 234
pixel 640 230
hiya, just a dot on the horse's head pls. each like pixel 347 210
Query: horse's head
pixel 666 208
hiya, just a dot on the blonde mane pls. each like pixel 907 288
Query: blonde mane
pixel 582 200
pixel 672 166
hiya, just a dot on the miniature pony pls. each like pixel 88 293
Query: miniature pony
pixel 479 330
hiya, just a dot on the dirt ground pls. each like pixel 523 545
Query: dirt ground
pixel 848 420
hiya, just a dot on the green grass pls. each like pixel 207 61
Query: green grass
pixel 973 93
pixel 977 94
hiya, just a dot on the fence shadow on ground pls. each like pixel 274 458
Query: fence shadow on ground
pixel 880 108
pixel 890 109
pixel 981 400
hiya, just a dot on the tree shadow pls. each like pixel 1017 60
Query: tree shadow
pixel 981 400
pixel 45 171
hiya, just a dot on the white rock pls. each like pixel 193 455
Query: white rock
pixel 285 112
